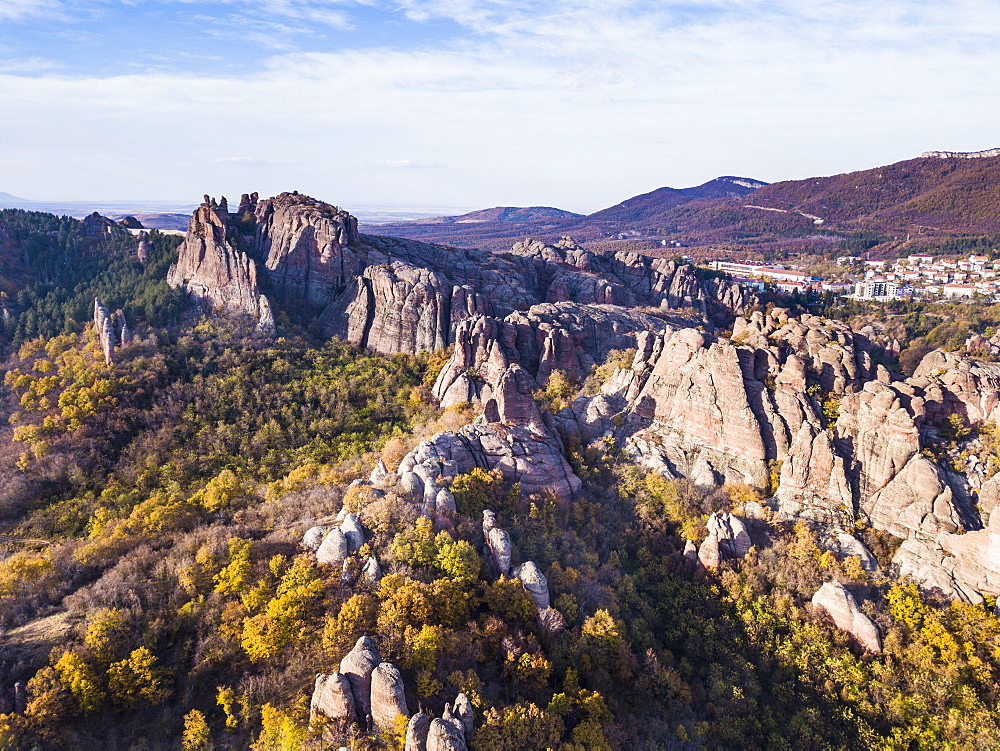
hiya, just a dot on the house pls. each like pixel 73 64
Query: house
pixel 958 290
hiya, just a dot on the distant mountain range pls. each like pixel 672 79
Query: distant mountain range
pixel 505 214
pixel 932 196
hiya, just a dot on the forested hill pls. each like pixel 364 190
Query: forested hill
pixel 52 268
pixel 231 538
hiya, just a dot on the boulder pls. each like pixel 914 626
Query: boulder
pixel 332 698
pixel 840 605
pixel 445 735
pixel 416 732
pixel 849 545
pixel 379 473
pixel 498 542
pixel 333 549
pixel 709 555
pixel 354 534
pixel 313 538
pixel 358 666
pixel 534 582
pixel 371 572
pixel 731 532
pixel 444 502
pixel 388 699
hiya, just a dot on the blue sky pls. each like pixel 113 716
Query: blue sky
pixel 472 103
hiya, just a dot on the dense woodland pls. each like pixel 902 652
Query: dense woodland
pixel 153 592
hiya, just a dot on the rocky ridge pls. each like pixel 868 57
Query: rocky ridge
pixel 796 406
pixel 393 295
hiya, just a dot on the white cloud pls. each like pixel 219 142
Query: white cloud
pixel 575 104
pixel 19 9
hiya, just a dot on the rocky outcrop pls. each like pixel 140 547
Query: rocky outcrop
pixel 551 336
pixel 306 247
pixel 564 271
pixel 916 500
pixel 313 538
pixel 416 732
pixel 96 225
pixel 986 153
pixel 394 295
pixel 700 412
pixel 727 538
pixel 839 604
pixel 332 699
pixel 213 272
pixel 334 548
pixel 358 666
pixel 105 330
pixel 962 566
pixel 497 542
pixel 397 307
pixel 510 436
pixel 959 385
pixel 534 582
pixel 388 700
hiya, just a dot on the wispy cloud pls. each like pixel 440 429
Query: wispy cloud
pixel 19 9
pixel 575 103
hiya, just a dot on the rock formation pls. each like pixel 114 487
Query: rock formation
pixel 463 711
pixel 96 225
pixel 143 250
pixel 353 533
pixel 534 582
pixel 313 538
pixel 332 698
pixel 416 732
pixel 498 543
pixel 445 735
pixel 334 548
pixel 371 572
pixel 213 272
pixel 799 407
pixel 511 436
pixel 104 328
pixel 403 296
pixel 358 666
pixel 387 697
pixel 125 333
pixel 849 545
pixel 840 605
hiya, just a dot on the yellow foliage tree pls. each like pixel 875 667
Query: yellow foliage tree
pixel 77 677
pixel 137 679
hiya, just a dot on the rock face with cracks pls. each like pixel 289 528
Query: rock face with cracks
pixel 214 273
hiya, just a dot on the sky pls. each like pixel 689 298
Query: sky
pixel 477 103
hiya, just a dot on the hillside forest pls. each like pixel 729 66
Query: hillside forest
pixel 155 593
